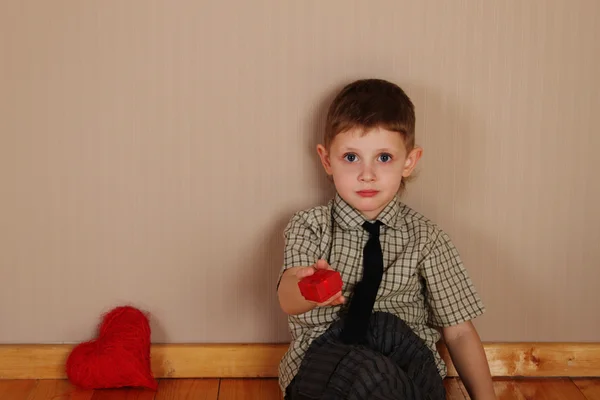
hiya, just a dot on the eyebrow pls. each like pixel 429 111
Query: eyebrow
pixel 386 150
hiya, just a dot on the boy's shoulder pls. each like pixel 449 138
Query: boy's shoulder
pixel 415 221
pixel 412 215
pixel 316 219
pixel 320 213
pixel 427 236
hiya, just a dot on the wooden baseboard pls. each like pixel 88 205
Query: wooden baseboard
pixel 261 360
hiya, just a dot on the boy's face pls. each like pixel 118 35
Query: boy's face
pixel 367 168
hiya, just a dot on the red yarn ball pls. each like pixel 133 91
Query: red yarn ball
pixel 119 357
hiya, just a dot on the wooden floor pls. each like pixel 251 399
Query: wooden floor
pixel 267 389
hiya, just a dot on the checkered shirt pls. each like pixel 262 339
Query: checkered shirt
pixel 424 281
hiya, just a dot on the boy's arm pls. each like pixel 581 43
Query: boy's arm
pixel 290 299
pixel 468 357
pixel 453 302
pixel 303 238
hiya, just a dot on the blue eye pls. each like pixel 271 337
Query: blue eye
pixel 350 157
pixel 385 158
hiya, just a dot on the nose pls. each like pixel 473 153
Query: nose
pixel 367 174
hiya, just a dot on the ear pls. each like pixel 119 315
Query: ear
pixel 411 161
pixel 325 160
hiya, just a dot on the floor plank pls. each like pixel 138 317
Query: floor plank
pixel 15 389
pixel 60 389
pixel 124 394
pixel 249 389
pixel 507 390
pixel 549 389
pixel 188 389
pixel 268 389
pixel 589 387
pixel 454 389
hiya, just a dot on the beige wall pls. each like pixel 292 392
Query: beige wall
pixel 151 153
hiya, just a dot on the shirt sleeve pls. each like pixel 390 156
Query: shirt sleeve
pixel 302 240
pixel 451 297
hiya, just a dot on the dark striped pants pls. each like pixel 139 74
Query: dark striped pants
pixel 393 363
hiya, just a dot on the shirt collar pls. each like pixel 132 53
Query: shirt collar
pixel 348 217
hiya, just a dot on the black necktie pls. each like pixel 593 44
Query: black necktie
pixel 365 291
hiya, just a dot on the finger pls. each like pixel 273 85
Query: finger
pixel 322 264
pixel 304 272
pixel 335 302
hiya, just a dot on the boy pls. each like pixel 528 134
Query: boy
pixel 404 282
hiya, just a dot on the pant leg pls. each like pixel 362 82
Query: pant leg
pixel 288 391
pixel 394 364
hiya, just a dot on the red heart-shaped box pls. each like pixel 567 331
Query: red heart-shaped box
pixel 119 357
pixel 321 285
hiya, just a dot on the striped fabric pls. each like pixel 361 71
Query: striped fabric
pixel 393 364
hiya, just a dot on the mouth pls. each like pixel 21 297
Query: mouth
pixel 367 193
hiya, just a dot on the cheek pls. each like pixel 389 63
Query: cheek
pixel 344 168
pixel 344 174
pixel 391 172
pixel 395 168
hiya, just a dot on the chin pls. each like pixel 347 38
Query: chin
pixel 368 204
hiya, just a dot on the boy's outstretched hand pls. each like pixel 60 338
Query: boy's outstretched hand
pixel 334 300
pixel 291 300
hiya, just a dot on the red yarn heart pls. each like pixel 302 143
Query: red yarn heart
pixel 119 357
